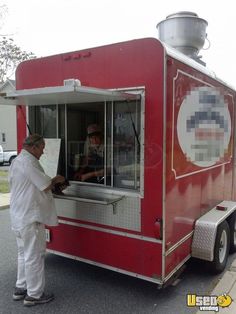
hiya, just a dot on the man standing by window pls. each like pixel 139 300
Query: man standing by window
pixel 31 207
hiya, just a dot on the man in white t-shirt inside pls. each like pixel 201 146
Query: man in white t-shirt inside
pixel 31 207
pixel 92 168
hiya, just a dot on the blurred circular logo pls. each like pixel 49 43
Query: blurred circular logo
pixel 204 126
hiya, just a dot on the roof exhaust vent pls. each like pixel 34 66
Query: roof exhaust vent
pixel 184 31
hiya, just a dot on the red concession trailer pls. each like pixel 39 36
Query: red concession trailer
pixel 169 144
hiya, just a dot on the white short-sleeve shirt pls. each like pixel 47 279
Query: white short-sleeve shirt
pixel 28 202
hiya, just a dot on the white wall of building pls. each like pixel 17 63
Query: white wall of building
pixel 8 120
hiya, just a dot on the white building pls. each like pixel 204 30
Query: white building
pixel 8 138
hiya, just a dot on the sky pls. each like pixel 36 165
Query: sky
pixel 47 27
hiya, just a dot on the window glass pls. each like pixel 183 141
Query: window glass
pixel 62 136
pixel 99 141
pixel 126 145
pixel 43 120
pixel 85 142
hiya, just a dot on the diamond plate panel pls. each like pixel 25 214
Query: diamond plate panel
pixel 125 213
pixel 206 228
pixel 204 240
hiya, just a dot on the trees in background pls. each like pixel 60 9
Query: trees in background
pixel 10 54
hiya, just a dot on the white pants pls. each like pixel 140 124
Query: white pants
pixel 31 243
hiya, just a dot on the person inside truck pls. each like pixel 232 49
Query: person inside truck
pixel 92 169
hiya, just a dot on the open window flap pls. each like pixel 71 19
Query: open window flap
pixel 63 95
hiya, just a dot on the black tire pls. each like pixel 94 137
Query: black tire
pixel 11 159
pixel 221 249
pixel 232 230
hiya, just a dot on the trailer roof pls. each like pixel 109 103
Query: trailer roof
pixel 194 64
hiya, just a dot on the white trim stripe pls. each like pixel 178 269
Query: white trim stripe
pixel 120 233
pixel 176 245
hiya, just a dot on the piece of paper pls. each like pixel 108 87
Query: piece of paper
pixel 50 158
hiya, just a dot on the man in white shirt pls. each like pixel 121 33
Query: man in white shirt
pixel 31 207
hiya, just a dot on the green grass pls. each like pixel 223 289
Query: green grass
pixel 4 186
pixel 3 173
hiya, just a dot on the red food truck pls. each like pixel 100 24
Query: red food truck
pixel 168 124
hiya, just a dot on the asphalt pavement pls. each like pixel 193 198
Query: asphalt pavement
pixel 78 287
pixel 83 288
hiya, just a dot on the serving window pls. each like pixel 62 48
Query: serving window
pixel 118 148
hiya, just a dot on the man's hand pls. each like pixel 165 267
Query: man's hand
pixel 92 174
pixel 58 183
pixel 58 179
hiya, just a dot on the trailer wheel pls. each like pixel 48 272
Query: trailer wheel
pixel 221 250
pixel 232 229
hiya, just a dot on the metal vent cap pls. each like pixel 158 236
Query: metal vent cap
pixel 184 31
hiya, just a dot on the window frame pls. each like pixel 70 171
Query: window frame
pixel 4 137
pixel 64 107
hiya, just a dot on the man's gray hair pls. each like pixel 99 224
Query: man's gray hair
pixel 33 139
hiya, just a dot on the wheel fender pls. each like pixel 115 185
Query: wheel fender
pixel 205 230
